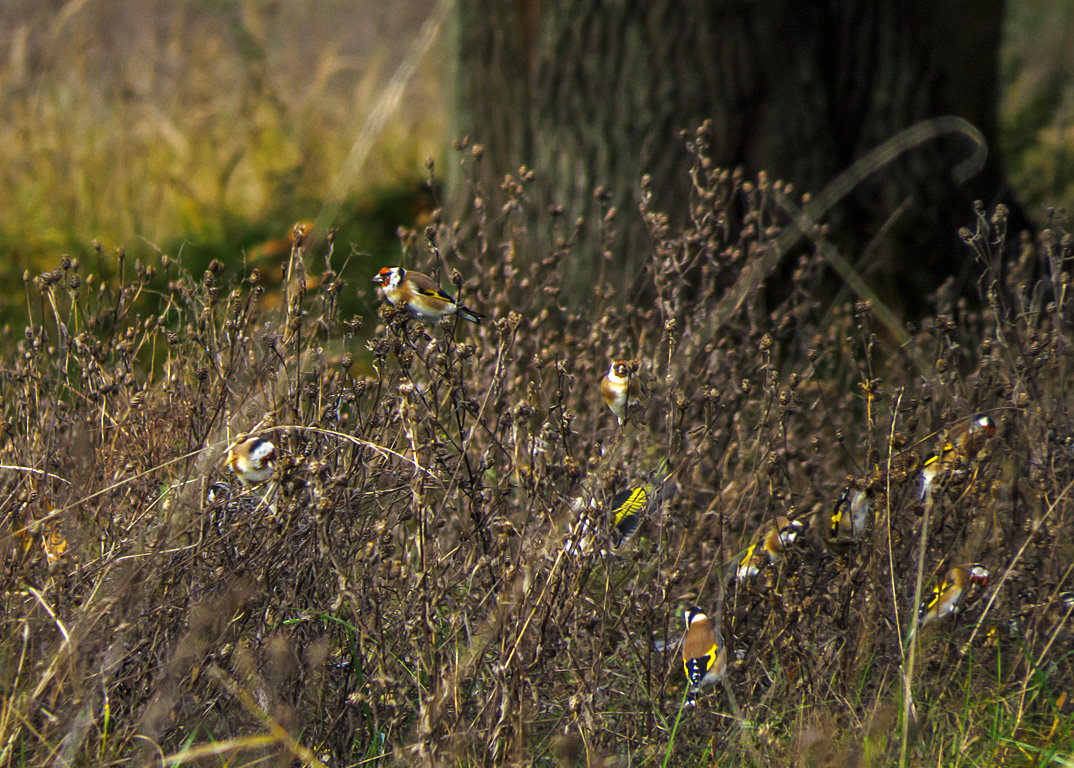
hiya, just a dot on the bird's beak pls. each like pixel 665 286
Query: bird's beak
pixel 377 280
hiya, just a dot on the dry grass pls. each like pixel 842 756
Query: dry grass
pixel 400 592
pixel 140 124
pixel 1037 104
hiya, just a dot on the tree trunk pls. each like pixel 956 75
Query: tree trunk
pixel 595 93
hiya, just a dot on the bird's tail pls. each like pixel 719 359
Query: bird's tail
pixel 469 314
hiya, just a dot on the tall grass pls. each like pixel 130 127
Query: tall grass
pixel 146 124
pixel 400 591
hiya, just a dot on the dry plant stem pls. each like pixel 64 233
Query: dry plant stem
pixel 908 672
pixel 1055 633
pixel 1025 681
pixel 497 377
pixel 119 484
pixel 887 520
pixel 376 619
pixel 276 731
pixel 743 726
pixel 1022 704
pixel 1014 561
pixel 382 450
pixel 217 748
pixel 8 705
pixel 416 485
pixel 41 472
pixel 843 185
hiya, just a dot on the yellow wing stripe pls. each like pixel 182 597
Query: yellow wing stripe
pixel 933 458
pixel 699 665
pixel 635 503
pixel 937 593
pixel 837 515
pixel 437 293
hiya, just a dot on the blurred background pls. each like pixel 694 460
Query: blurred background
pixel 207 129
pixel 1037 102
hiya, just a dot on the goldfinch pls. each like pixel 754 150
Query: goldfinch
pixel 850 516
pixel 621 388
pixel 418 293
pixel 218 494
pixel 221 507
pixel 221 500
pixel 53 544
pixel 963 442
pixel 704 655
pixel 251 459
pixel 227 513
pixel 627 508
pixel 768 544
pixel 948 595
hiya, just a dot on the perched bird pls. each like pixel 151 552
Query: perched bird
pixel 621 388
pixel 251 460
pixel 219 494
pixel 228 513
pixel 949 594
pixel 630 505
pixel 963 442
pixel 53 543
pixel 27 531
pixel 849 518
pixel 423 297
pixel 626 510
pixel 704 655
pixel 767 545
pixel 220 498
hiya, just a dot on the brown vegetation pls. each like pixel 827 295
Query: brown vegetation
pixel 400 589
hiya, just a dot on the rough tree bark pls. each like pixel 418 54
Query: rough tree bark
pixel 592 92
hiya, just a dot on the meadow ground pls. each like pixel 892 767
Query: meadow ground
pixel 410 586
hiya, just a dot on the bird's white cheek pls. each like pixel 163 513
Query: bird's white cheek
pixel 747 571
